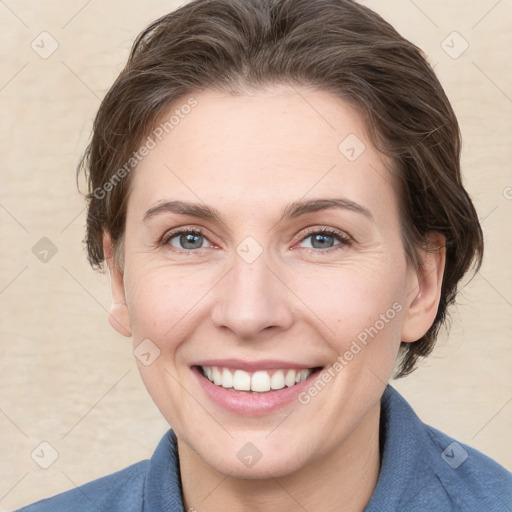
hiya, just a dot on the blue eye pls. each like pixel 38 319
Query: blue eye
pixel 189 239
pixel 323 238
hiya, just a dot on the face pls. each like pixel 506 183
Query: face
pixel 281 272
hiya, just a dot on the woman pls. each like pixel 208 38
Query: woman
pixel 275 190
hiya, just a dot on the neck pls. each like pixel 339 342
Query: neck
pixel 343 480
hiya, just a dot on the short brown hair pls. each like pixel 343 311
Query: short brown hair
pixel 333 45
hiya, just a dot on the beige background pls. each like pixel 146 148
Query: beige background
pixel 68 379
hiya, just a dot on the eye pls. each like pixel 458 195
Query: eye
pixel 186 240
pixel 324 238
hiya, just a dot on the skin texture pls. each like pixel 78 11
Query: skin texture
pixel 249 156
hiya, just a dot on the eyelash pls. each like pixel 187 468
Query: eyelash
pixel 345 240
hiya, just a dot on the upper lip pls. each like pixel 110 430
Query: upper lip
pixel 252 366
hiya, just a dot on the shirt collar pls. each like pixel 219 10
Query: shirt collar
pixel 162 486
pixel 403 454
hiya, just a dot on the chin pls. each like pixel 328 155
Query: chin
pixel 252 455
pixel 237 465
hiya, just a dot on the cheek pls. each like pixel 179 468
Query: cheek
pixel 359 309
pixel 161 302
pixel 161 299
pixel 351 297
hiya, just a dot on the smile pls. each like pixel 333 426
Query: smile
pixel 261 381
pixel 253 388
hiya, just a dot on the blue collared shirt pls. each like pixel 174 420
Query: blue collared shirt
pixel 422 470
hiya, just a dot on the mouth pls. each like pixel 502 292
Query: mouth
pixel 261 381
pixel 253 389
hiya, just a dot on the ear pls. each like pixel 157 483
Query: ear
pixel 424 291
pixel 118 317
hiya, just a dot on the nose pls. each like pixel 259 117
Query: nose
pixel 252 299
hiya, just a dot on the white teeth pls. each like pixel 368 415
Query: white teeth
pixel 277 380
pixel 217 378
pixel 304 374
pixel 290 378
pixel 241 380
pixel 259 381
pixel 227 379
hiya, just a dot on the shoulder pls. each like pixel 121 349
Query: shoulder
pixel 471 479
pixel 121 491
pixel 425 469
pixel 151 485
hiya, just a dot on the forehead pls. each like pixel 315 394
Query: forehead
pixel 254 148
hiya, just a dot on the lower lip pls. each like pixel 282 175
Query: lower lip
pixel 248 403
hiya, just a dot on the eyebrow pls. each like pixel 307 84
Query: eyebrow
pixel 292 210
